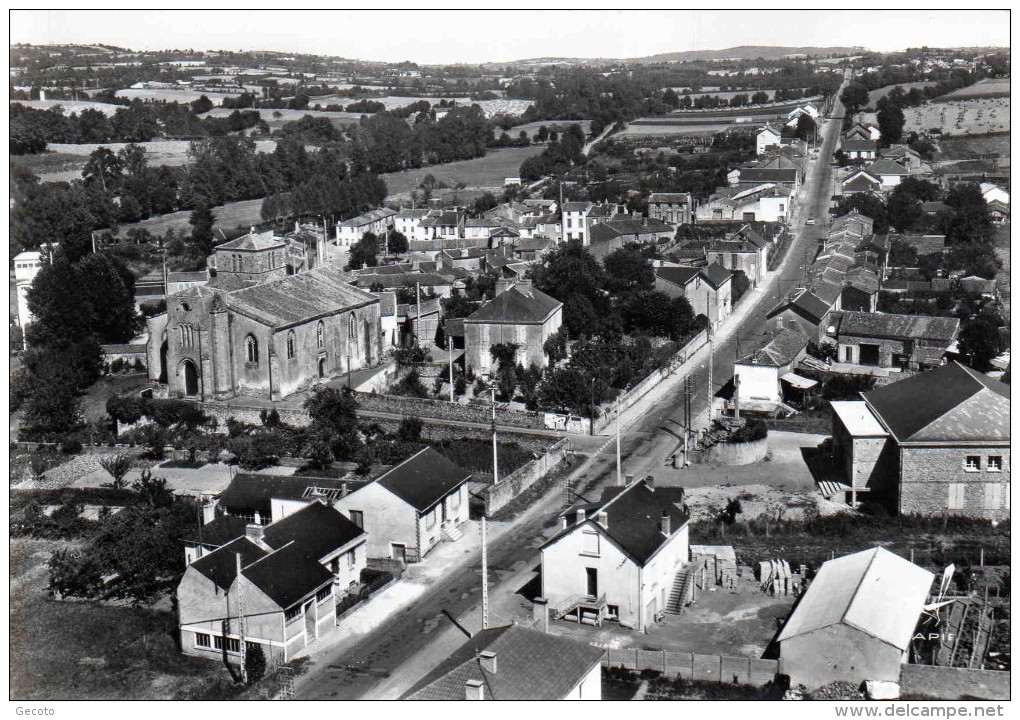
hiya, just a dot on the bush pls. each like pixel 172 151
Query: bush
pixel 255 663
pixel 71 446
pixel 258 451
pixel 410 429
pixel 410 386
pixel 751 431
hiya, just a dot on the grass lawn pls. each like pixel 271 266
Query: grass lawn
pixel 94 402
pixel 90 651
pixel 988 87
pixel 961 148
pixel 243 213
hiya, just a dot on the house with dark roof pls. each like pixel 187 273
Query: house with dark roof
pixel 262 499
pixel 908 342
pixel 804 311
pixel 789 178
pixel 758 376
pixel 515 663
pixel 860 149
pixel 861 182
pixel 934 442
pixel 707 289
pixel 672 208
pixel 888 172
pixel 379 221
pixel 521 314
pixel 275 586
pixel 411 508
pixel 744 250
pixel 862 131
pixel 860 290
pixel 620 558
pixel 856 620
pixel 614 233
pixel 212 535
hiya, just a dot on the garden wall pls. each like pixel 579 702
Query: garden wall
pixel 499 495
pixel 732 454
pixel 442 410
pixel 715 668
pixel 946 683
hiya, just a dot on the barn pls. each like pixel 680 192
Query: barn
pixel 855 621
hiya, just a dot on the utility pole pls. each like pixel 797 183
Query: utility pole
pixel 240 621
pixel 711 385
pixel 485 580
pixel 619 468
pixel 495 458
pixel 417 319
pixel 449 350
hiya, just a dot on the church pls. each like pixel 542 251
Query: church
pixel 253 330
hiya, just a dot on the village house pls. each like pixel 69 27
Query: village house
pixel 862 131
pixel 261 499
pixel 935 442
pixel 804 311
pixel 998 212
pixel 613 234
pixel 672 208
pixel 481 228
pixel 521 314
pixel 856 149
pixel 515 663
pixel 253 330
pixel 378 222
pixel 907 157
pixel 860 290
pixel 707 289
pixel 407 222
pixel 443 225
pixel 908 342
pixel 993 193
pixel 744 250
pixel 758 376
pixel 860 181
pixel 855 621
pixel 768 138
pixel 889 173
pixel 283 577
pixel 784 177
pixel 761 203
pixel 411 508
pixel 620 558
pixel 579 218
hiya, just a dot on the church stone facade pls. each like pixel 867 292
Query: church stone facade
pixel 255 331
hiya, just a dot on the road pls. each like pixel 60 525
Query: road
pixel 358 670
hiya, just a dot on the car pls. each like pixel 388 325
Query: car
pixel 810 221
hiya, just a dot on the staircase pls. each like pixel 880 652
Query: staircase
pixel 589 609
pixel 452 533
pixel 682 587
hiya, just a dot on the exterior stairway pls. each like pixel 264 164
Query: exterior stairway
pixel 452 533
pixel 583 606
pixel 682 587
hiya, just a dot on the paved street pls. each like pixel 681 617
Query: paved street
pixel 386 661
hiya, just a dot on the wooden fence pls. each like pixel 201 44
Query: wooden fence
pixel 696 666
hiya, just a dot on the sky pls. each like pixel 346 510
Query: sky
pixel 460 36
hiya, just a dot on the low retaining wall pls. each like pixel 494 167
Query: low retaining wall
pixel 499 495
pixel 944 683
pixel 443 410
pixel 732 454
pixel 715 668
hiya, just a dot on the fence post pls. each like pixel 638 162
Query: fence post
pixel 663 662
pixel 749 681
pixel 609 656
pixel 720 667
pixel 692 665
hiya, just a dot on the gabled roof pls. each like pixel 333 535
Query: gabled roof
pixel 222 530
pixel 886 167
pixel 769 129
pixel 572 206
pixel 949 403
pixel 367 218
pixel 887 325
pixel 633 517
pixel 252 241
pixel 874 591
pixel 423 479
pixel 716 275
pixel 248 493
pixel 663 197
pixel 287 575
pixel 317 528
pixel 779 350
pixel 859 145
pixel 806 304
pixel 764 175
pixel 299 298
pixel 220 566
pixel 861 181
pixel 678 276
pixel 520 304
pixel 530 665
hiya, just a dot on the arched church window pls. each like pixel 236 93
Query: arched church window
pixel 320 334
pixel 291 343
pixel 251 349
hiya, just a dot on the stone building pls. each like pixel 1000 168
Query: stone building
pixel 518 314
pixel 672 208
pixel 888 340
pixel 935 442
pixel 253 330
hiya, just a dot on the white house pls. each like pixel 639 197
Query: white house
pixel 888 172
pixel 758 375
pixel 768 137
pixel 993 193
pixel 26 266
pixel 619 558
pixel 407 222
pixel 377 221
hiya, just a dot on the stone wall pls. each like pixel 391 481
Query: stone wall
pixel 441 410
pixel 732 454
pixel 714 668
pixel 499 495
pixel 946 683
pixel 926 474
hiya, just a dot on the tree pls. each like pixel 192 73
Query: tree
pixel 573 276
pixel 627 269
pixel 890 123
pixel 543 134
pixel 903 211
pixel 334 414
pixel 759 98
pixel 202 221
pixel 117 467
pixel 555 347
pixel 969 221
pixel 397 242
pixel 854 97
pixel 103 168
pixel 255 663
pixel 806 127
pixel 364 253
pixel 980 341
pixel 202 105
pixel 410 429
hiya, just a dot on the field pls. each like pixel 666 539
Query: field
pixel 70 106
pixel 174 95
pixel 89 651
pixel 644 130
pixel 487 172
pixel 956 117
pixel 276 118
pixel 963 148
pixel 241 213
pixel 881 92
pixel 64 162
pixel 987 88
pixel 532 128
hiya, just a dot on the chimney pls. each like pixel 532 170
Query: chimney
pixel 650 482
pixel 487 659
pixel 254 533
pixel 563 522
pixel 474 690
pixel 258 518
pixel 540 612
pixel 602 519
pixel 629 481
pixel 208 512
pixel 502 286
pixel 665 523
pixel 581 515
